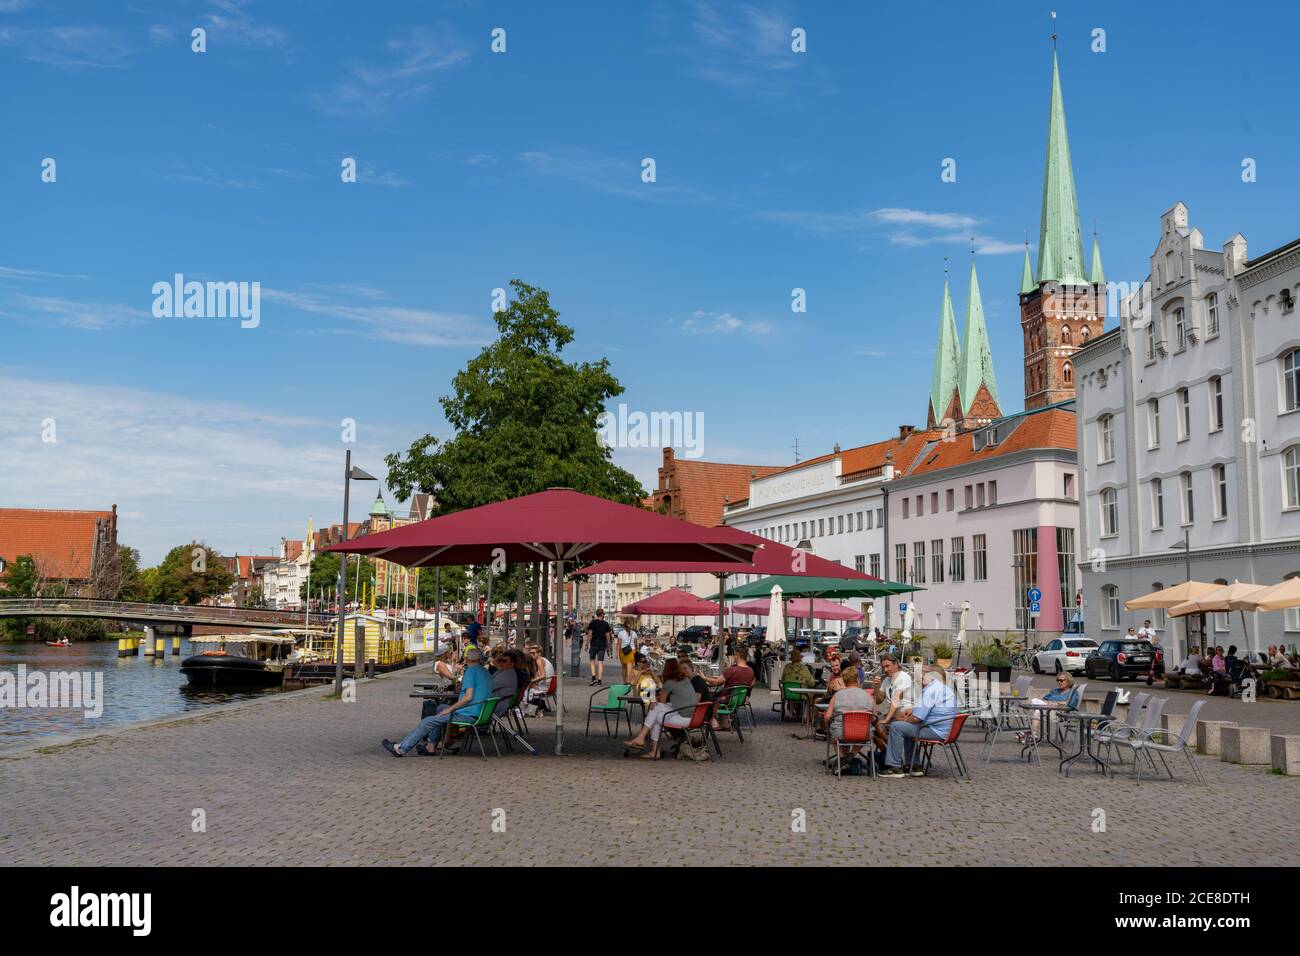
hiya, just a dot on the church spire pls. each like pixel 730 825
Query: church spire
pixel 946 359
pixel 976 358
pixel 1098 275
pixel 1027 274
pixel 1060 246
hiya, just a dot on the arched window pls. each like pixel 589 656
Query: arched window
pixel 1291 477
pixel 1212 314
pixel 1106 438
pixel 1109 512
pixel 1291 380
pixel 1083 335
pixel 1065 335
pixel 1067 373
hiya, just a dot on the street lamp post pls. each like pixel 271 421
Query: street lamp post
pixel 350 474
pixel 1186 548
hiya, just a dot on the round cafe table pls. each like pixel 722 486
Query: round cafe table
pixel 808 709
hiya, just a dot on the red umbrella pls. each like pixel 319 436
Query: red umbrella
pixel 557 525
pixel 672 603
pixel 822 609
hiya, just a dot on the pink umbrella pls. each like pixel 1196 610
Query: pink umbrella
pixel 822 609
pixel 673 602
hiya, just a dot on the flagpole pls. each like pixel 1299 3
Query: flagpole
pixel 306 622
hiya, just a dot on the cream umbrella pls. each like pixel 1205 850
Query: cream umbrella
pixel 776 618
pixel 1235 597
pixel 1277 597
pixel 869 618
pixel 1170 596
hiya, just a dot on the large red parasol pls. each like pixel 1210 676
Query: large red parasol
pixel 819 608
pixel 673 603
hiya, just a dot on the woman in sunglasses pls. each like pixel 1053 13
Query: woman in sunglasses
pixel 1063 694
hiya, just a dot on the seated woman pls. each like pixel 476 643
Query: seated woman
pixel 1191 665
pixel 851 699
pixel 834 684
pixel 677 693
pixel 644 682
pixel 1064 693
pixel 446 667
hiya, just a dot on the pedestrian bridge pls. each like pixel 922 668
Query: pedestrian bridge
pixel 150 613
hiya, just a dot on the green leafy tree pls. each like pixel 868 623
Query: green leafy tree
pixel 22 578
pixel 325 574
pixel 188 574
pixel 525 420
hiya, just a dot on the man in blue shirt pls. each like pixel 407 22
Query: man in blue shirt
pixel 930 719
pixel 475 687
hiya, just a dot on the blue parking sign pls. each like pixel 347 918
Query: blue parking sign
pixel 1035 595
pixel 902 607
pixel 1034 607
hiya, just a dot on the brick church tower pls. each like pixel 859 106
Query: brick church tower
pixel 1065 306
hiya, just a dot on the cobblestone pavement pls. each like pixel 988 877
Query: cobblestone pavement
pixel 301 779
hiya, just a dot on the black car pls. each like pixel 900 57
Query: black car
pixel 695 634
pixel 855 637
pixel 1124 658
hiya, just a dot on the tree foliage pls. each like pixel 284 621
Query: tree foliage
pixel 525 420
pixel 188 574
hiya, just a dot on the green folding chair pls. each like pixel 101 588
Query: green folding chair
pixel 485 719
pixel 787 699
pixel 737 698
pixel 610 705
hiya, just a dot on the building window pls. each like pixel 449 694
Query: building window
pixel 1219 475
pixel 1291 619
pixel 1067 373
pixel 840 524
pixel 875 565
pixel 1106 437
pixel 907 503
pixel 1212 315
pixel 880 517
pixel 980 557
pixel 1291 476
pixel 934 502
pixel 1110 607
pixel 920 505
pixel 1216 403
pixel 1180 329
pixel 1065 565
pixel 970 497
pixel 1151 341
pixel 821 527
pixel 860 519
pixel 1153 423
pixel 860 564
pixel 993 492
pixel 957 561
pixel 1157 504
pixel 936 560
pixel 1065 335
pixel 900 563
pixel 1291 380
pixel 979 495
pixel 1069 485
pixel 1024 549
pixel 1189 513
pixel 918 562
pixel 1083 335
pixel 1184 415
pixel 951 496
pixel 1109 512
pixel 869 523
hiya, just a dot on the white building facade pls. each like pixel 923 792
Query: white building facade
pixel 1189 437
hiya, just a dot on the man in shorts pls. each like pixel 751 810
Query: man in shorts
pixel 596 643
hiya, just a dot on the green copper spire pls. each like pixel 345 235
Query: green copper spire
pixel 1060 247
pixel 976 359
pixel 1027 275
pixel 1098 274
pixel 947 355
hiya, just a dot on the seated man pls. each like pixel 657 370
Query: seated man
pixel 930 719
pixel 894 694
pixel 796 672
pixel 738 674
pixel 851 700
pixel 475 687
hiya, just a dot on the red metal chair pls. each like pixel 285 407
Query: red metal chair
pixel 701 723
pixel 856 731
pixel 951 751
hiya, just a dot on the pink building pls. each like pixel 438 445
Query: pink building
pixel 983 516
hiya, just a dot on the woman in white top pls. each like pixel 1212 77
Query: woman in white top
pixel 543 671
pixel 445 667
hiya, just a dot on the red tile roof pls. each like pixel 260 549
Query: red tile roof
pixel 61 542
pixel 698 488
pixel 1050 428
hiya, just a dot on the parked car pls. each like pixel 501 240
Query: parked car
pixel 1123 658
pixel 1063 654
pixel 695 634
pixel 855 634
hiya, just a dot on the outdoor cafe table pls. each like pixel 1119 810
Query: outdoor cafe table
pixel 634 699
pixel 808 710
pixel 1046 709
pixel 1086 722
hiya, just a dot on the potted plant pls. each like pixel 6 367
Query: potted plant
pixel 991 659
pixel 942 655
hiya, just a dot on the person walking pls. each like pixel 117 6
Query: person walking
pixel 596 643
pixel 626 648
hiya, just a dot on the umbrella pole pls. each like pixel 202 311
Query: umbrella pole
pixel 722 604
pixel 559 684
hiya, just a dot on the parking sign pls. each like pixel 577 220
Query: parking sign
pixel 1035 595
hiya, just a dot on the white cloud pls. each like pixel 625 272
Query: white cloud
pixel 389 323
pixel 26 275
pixel 902 227
pixel 92 316
pixel 238 476
pixel 161 34
pixel 69 47
pixel 724 323
pixel 746 46
pixel 230 24
pixel 407 72
pixel 614 175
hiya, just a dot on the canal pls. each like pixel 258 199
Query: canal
pixel 134 689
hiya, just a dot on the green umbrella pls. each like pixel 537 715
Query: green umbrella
pixel 793 585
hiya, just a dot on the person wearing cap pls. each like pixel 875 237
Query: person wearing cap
pixel 475 688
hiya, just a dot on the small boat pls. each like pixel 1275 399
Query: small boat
pixel 62 642
pixel 238 660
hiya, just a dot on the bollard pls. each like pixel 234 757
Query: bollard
pixel 176 646
pixel 121 647
pixel 149 644
pixel 1208 735
pixel 160 648
pixel 1248 745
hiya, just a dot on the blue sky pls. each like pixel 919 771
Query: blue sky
pixel 775 170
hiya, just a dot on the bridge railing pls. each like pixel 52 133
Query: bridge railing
pixel 129 610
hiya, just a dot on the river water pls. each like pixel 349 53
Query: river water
pixel 134 688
